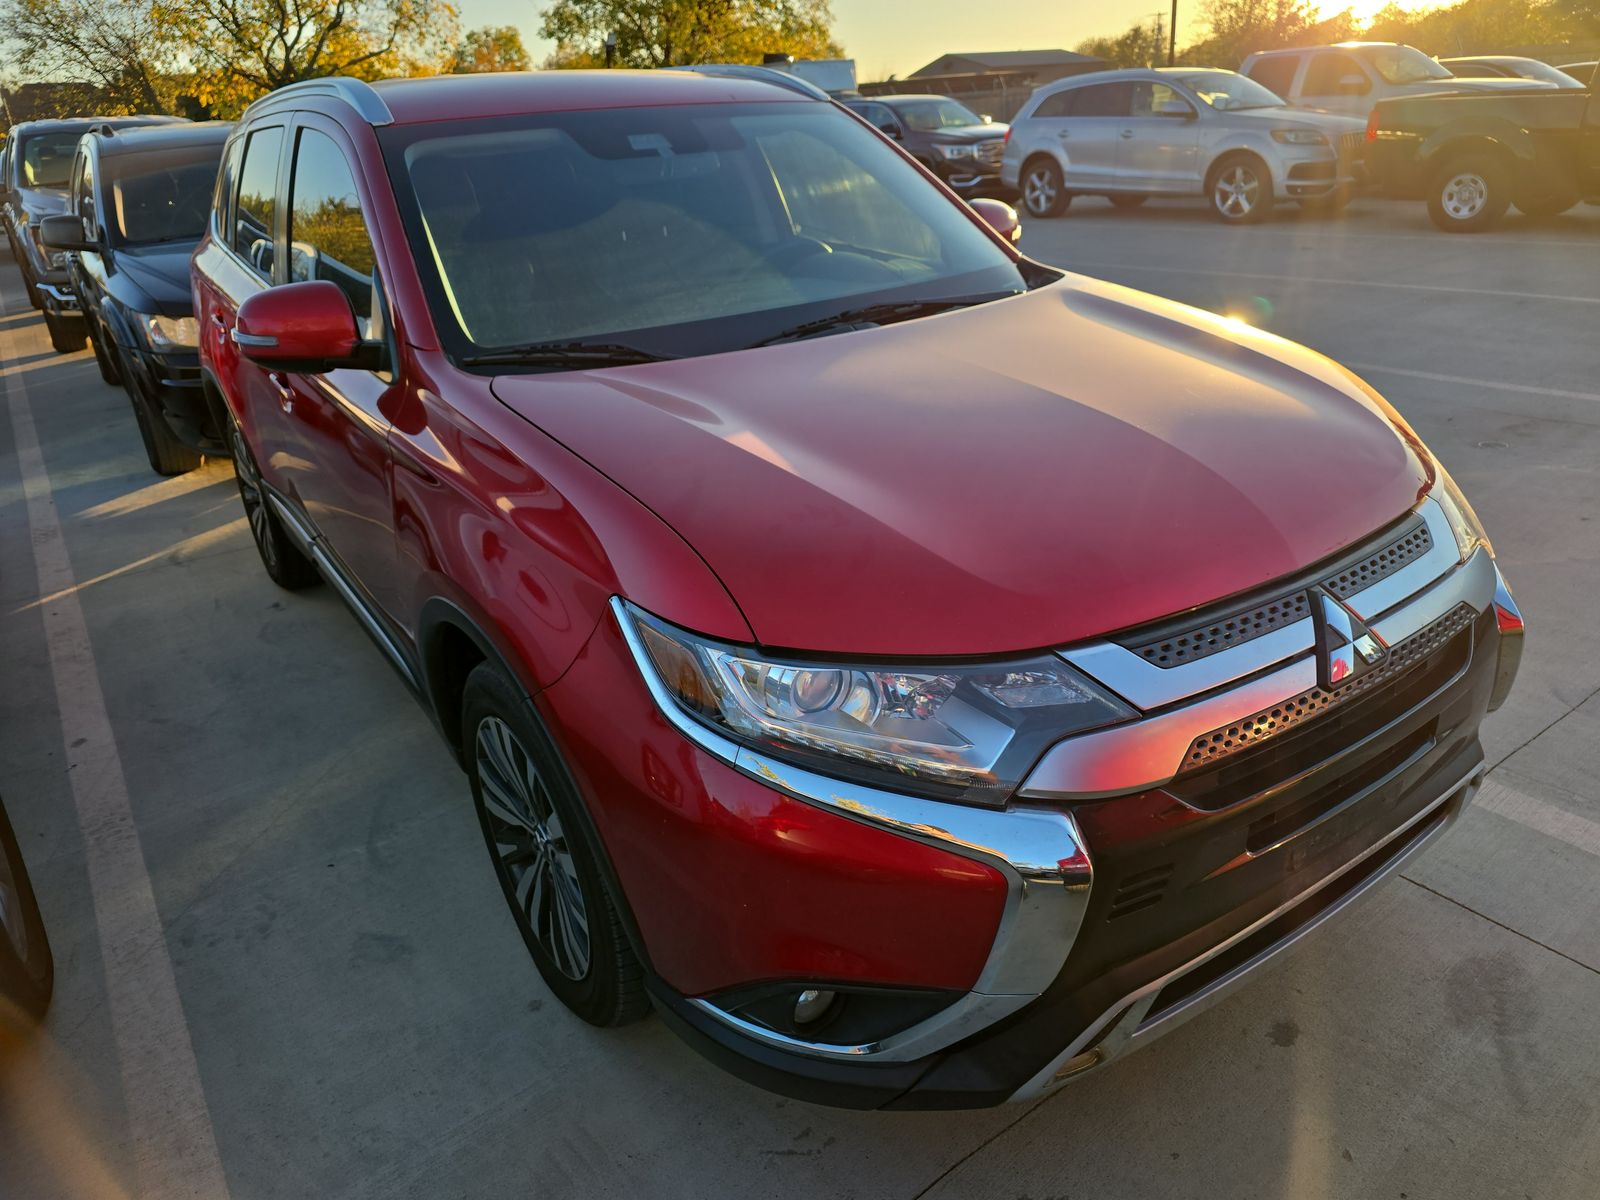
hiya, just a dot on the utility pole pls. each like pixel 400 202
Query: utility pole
pixel 1158 18
pixel 1172 36
pixel 611 47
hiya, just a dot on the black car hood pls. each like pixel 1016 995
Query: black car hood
pixel 42 202
pixel 160 273
pixel 969 133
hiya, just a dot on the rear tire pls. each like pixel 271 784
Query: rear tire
pixel 167 455
pixel 67 333
pixel 1469 193
pixel 1044 191
pixel 27 970
pixel 1126 201
pixel 287 566
pixel 549 871
pixel 1239 188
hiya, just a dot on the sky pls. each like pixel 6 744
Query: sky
pixel 895 37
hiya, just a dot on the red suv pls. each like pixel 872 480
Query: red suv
pixel 920 673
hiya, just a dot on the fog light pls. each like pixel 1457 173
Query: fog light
pixel 811 1005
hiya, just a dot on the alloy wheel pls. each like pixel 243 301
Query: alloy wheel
pixel 1237 191
pixel 250 492
pixel 1039 191
pixel 535 862
pixel 1464 195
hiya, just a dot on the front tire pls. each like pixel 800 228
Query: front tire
pixel 548 871
pixel 67 333
pixel 1469 193
pixel 1239 188
pixel 1044 191
pixel 27 970
pixel 110 371
pixel 287 566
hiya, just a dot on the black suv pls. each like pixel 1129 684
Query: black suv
pixel 138 204
pixel 38 164
pixel 944 135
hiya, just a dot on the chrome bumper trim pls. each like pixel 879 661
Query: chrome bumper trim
pixel 1511 640
pixel 62 296
pixel 1038 851
pixel 1149 753
pixel 1124 1025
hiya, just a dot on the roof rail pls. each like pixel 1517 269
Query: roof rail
pixel 763 74
pixel 357 93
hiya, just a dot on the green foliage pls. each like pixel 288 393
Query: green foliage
pixel 115 52
pixel 1141 45
pixel 665 33
pixel 492 48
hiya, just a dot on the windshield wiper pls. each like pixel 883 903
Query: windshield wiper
pixel 565 354
pixel 869 315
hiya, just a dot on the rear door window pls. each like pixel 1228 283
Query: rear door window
pixel 255 210
pixel 1058 105
pixel 1104 100
pixel 1327 69
pixel 328 236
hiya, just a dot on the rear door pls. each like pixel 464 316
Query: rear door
pixel 340 469
pixel 1091 135
pixel 1159 141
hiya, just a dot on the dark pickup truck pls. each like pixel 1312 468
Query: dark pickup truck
pixel 1470 156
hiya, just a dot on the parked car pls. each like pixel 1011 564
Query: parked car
pixel 27 971
pixel 35 186
pixel 1508 66
pixel 1353 76
pixel 944 135
pixel 1177 131
pixel 1472 157
pixel 138 204
pixel 1583 72
pixel 923 674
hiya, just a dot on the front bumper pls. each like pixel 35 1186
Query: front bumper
pixel 1312 171
pixel 1144 874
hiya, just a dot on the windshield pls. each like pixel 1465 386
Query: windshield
pixel 929 116
pixel 1225 90
pixel 164 195
pixel 1533 69
pixel 682 230
pixel 46 160
pixel 1403 64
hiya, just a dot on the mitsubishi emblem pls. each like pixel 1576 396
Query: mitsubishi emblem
pixel 1346 648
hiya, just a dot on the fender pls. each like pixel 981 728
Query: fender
pixel 1514 139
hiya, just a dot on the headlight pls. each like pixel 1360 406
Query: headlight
pixel 955 151
pixel 1299 137
pixel 1464 522
pixel 963 731
pixel 170 333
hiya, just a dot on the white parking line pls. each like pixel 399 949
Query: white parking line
pixel 1089 268
pixel 1501 798
pixel 173 1144
pixel 1492 385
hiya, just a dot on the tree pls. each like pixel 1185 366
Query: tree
pixel 1238 28
pixel 492 48
pixel 665 33
pixel 1136 46
pixel 241 49
pixel 119 50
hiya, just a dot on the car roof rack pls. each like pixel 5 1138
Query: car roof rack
pixel 763 74
pixel 357 93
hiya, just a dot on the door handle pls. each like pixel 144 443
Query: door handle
pixel 1063 134
pixel 1127 133
pixel 285 393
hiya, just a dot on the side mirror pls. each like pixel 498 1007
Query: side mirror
pixel 64 232
pixel 1000 217
pixel 986 118
pixel 1352 84
pixel 304 327
pixel 1176 110
pixel 892 131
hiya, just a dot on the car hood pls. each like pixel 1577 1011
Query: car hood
pixel 1021 474
pixel 162 274
pixel 969 133
pixel 1331 124
pixel 42 202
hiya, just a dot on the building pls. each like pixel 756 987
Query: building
pixel 1042 65
pixel 993 83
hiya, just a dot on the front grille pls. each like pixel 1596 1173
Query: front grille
pixel 1352 147
pixel 1269 723
pixel 1413 543
pixel 990 152
pixel 1225 633
pixel 1140 891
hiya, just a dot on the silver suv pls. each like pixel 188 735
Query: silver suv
pixel 1177 131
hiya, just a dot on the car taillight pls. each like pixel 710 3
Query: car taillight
pixel 1372 126
pixel 1007 136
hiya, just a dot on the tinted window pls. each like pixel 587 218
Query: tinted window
pixel 83 201
pixel 880 115
pixel 928 116
pixel 1157 100
pixel 328 236
pixel 695 229
pixel 1058 105
pixel 225 180
pixel 47 159
pixel 1275 74
pixel 1104 100
pixel 162 195
pixel 255 210
pixel 1325 72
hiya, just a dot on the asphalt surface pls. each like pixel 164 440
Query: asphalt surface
pixel 284 969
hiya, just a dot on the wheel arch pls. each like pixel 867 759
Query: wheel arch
pixel 1507 141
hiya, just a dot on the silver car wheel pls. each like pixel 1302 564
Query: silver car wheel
pixel 540 873
pixel 1464 195
pixel 1039 191
pixel 1237 191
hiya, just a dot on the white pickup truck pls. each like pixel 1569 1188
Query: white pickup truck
pixel 1351 77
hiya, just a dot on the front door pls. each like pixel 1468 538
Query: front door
pixel 1159 144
